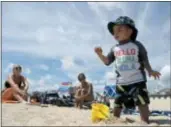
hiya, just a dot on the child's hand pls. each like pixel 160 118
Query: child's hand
pixel 98 50
pixel 155 74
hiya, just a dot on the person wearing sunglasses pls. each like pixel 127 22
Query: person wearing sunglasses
pixel 16 86
pixel 84 92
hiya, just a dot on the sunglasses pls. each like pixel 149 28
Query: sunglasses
pixel 18 68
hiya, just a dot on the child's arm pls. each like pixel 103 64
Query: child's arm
pixel 144 58
pixel 107 60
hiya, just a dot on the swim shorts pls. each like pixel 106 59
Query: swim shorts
pixel 132 95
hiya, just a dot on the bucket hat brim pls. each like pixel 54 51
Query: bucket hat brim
pixel 110 26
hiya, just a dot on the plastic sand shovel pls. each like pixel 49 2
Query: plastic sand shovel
pixel 99 112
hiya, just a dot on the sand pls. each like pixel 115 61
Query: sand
pixel 29 115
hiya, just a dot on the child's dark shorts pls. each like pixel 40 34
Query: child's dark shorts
pixel 132 95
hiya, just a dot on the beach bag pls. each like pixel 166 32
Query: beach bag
pixel 51 97
pixel 99 112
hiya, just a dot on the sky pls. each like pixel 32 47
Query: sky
pixel 55 41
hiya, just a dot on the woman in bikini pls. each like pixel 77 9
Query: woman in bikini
pixel 16 87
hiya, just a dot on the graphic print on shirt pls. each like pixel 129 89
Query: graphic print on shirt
pixel 126 59
pixel 127 64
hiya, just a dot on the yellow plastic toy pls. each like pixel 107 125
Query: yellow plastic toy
pixel 99 112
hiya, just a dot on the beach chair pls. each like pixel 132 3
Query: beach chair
pixel 109 91
pixel 109 94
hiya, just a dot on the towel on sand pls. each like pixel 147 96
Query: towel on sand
pixel 7 96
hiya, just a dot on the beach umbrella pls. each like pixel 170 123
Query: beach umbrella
pixel 66 83
pixel 65 87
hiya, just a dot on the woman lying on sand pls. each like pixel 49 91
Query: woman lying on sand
pixel 16 87
pixel 84 92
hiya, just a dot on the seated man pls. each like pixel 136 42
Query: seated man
pixel 84 92
pixel 16 87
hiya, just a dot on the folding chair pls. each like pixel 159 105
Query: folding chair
pixel 109 91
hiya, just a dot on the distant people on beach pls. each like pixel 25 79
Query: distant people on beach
pixel 84 92
pixel 16 86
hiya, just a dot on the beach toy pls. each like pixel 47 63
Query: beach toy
pixel 99 112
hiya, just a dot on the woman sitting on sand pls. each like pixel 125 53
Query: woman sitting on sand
pixel 84 92
pixel 16 87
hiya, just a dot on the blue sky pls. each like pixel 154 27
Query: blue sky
pixel 54 41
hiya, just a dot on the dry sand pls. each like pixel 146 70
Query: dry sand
pixel 29 115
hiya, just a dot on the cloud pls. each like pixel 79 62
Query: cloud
pixel 110 75
pixel 27 71
pixel 110 78
pixel 52 32
pixel 141 21
pixel 95 82
pixel 71 68
pixel 102 81
pixel 165 76
pixel 9 67
pixel 164 82
pixel 107 5
pixel 68 63
pixel 44 67
pixel 44 79
pixel 44 83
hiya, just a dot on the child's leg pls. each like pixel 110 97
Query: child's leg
pixel 118 102
pixel 144 113
pixel 117 112
pixel 143 102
